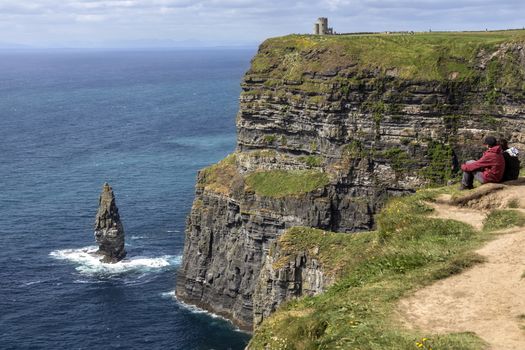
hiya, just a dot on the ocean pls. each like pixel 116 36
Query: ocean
pixel 145 122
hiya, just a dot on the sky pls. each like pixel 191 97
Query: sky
pixel 197 23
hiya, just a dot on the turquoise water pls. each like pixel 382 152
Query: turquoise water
pixel 143 121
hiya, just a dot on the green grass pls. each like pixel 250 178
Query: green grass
pixel 502 219
pixel 280 183
pixel 311 160
pixel 269 139
pixel 374 270
pixel 423 56
pixel 224 178
pixel 438 170
pixel 331 249
pixel 514 203
pixel 399 159
pixel 221 177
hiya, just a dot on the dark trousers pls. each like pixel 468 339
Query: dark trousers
pixel 469 176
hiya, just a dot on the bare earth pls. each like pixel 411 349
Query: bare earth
pixel 489 298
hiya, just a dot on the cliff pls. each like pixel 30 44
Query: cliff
pixel 328 129
pixel 418 281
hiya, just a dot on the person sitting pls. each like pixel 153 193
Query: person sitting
pixel 489 168
pixel 512 162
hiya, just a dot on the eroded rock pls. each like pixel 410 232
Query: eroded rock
pixel 109 232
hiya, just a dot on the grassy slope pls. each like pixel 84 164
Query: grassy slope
pixel 422 56
pixel 375 269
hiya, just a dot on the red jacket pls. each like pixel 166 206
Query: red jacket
pixel 492 164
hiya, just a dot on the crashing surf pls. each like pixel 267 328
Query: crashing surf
pixel 88 262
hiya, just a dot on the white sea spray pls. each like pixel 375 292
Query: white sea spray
pixel 88 262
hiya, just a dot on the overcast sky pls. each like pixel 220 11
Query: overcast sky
pixel 139 23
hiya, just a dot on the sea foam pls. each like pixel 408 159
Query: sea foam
pixel 197 310
pixel 192 308
pixel 89 262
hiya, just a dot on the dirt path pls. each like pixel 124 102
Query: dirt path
pixel 472 217
pixel 488 299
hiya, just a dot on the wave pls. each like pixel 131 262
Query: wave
pixel 192 308
pixel 50 280
pixel 197 310
pixel 89 262
pixel 26 284
pixel 169 295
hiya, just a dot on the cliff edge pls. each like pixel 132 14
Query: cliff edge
pixel 328 129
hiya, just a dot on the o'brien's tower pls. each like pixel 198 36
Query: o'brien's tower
pixel 321 27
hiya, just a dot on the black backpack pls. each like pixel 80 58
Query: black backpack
pixel 512 167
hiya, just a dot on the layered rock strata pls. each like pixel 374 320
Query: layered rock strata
pixel 377 116
pixel 285 276
pixel 109 232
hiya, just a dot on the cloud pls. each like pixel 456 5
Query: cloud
pixel 91 18
pixel 235 21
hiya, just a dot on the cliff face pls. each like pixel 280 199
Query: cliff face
pixel 328 128
pixel 287 274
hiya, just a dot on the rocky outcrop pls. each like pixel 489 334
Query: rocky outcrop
pixel 109 232
pixel 229 236
pixel 283 277
pixel 376 123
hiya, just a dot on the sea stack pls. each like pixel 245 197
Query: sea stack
pixel 109 232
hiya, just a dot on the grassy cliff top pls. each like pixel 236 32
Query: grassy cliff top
pixel 419 56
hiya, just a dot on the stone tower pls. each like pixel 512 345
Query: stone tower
pixel 321 27
pixel 316 28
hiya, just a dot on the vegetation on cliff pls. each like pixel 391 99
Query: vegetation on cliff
pixel 334 251
pixel 281 183
pixel 422 56
pixel 409 250
pixel 224 177
pixel 221 177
